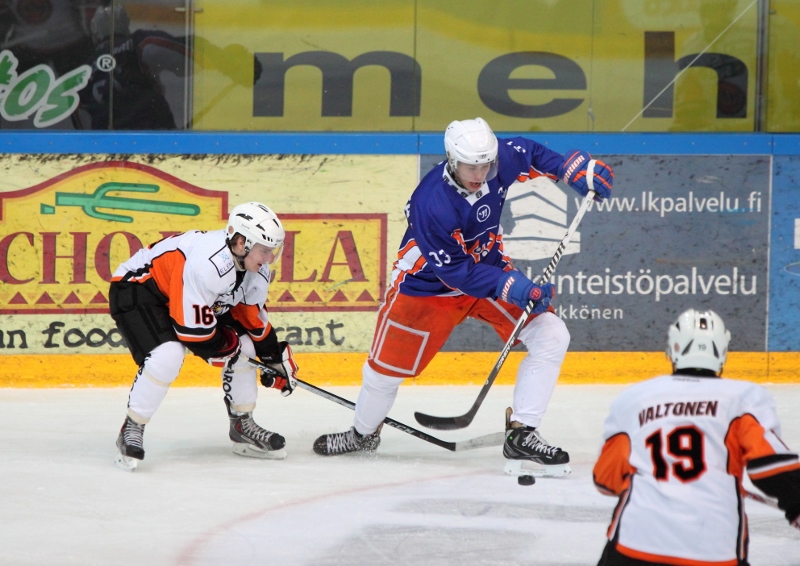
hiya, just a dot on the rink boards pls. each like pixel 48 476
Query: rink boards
pixel 447 368
pixel 704 221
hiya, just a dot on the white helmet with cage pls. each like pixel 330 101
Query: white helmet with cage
pixel 698 339
pixel 259 225
pixel 471 142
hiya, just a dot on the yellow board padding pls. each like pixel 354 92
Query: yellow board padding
pixel 447 368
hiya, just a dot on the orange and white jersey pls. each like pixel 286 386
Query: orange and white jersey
pixel 195 272
pixel 674 450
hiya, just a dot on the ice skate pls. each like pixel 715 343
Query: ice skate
pixel 346 442
pixel 251 440
pixel 130 443
pixel 529 454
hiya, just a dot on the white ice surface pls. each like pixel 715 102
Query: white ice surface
pixel 193 502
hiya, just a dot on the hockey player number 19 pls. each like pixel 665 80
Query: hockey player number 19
pixel 684 444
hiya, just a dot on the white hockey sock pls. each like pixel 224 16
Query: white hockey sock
pixel 239 381
pixel 375 399
pixel 159 370
pixel 547 340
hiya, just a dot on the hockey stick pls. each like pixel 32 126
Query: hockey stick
pixel 453 423
pixel 495 439
pixel 761 499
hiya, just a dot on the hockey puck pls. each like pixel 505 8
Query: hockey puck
pixel 526 480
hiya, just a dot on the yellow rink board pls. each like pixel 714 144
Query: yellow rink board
pixel 69 371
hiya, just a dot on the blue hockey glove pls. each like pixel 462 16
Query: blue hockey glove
pixel 517 289
pixel 573 173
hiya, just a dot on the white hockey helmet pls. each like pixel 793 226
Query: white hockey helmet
pixel 259 225
pixel 471 142
pixel 698 339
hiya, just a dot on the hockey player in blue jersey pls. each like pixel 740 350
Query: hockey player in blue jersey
pixel 451 266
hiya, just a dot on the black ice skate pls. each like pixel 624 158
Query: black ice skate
pixel 348 441
pixel 530 454
pixel 251 440
pixel 130 443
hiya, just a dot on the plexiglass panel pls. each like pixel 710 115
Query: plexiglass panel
pixel 401 65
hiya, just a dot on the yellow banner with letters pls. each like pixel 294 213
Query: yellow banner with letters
pixel 584 65
pixel 67 223
pixel 62 239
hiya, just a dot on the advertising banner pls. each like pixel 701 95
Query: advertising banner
pixel 783 60
pixel 784 330
pixel 679 232
pixel 403 66
pixel 67 222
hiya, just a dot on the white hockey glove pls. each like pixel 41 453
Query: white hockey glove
pixel 230 352
pixel 285 367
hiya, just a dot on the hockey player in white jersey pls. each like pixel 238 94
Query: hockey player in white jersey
pixel 450 266
pixel 675 450
pixel 205 292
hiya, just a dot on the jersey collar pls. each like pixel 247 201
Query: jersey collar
pixel 471 198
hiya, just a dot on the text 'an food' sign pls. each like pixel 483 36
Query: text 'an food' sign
pixel 61 240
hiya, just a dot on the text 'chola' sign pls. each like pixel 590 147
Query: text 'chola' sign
pixel 61 240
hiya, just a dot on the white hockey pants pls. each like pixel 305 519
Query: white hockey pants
pixel 162 366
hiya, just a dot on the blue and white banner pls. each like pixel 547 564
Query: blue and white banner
pixel 784 270
pixel 680 231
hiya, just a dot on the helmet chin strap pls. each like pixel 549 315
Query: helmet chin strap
pixel 455 179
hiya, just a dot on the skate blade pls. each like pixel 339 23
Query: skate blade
pixel 126 463
pixel 252 452
pixel 528 468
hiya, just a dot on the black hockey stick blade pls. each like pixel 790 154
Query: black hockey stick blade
pixel 444 423
pixel 495 439
pixel 463 421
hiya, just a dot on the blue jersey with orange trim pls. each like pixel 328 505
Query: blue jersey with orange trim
pixel 453 243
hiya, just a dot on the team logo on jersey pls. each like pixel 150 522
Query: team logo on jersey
pixel 223 261
pixel 483 212
pixel 220 307
pixel 476 250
